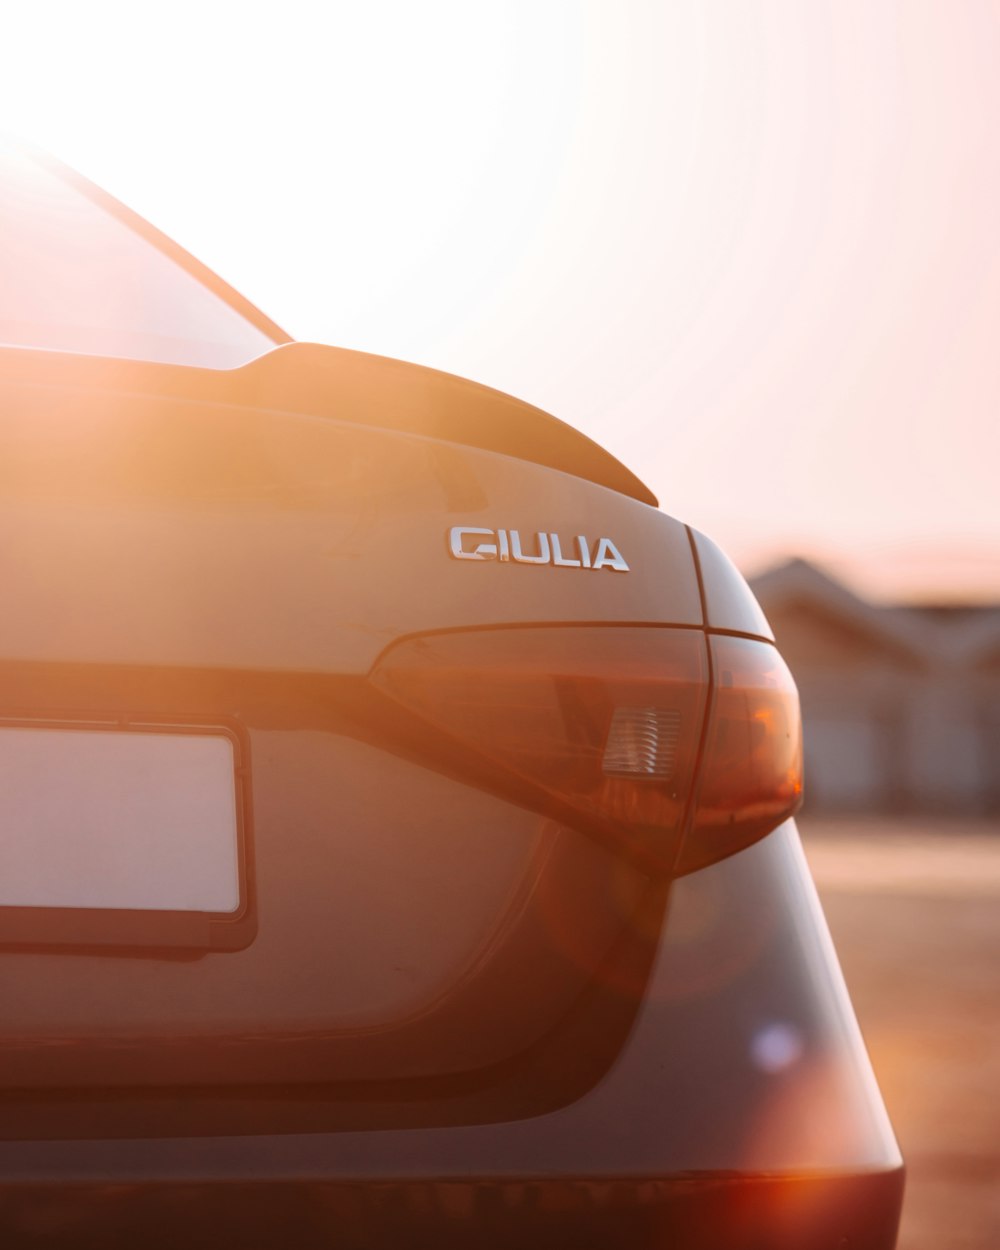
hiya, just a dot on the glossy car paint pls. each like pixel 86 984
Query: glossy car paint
pixel 698 1128
pixel 159 520
pixel 458 1018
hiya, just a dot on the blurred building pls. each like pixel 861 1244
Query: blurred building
pixel 901 705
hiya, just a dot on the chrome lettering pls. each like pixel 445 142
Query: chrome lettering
pixel 557 555
pixel 473 542
pixel 544 553
pixel 484 551
pixel 607 556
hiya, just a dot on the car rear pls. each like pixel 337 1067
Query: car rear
pixel 398 835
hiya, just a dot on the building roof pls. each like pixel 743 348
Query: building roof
pixel 966 635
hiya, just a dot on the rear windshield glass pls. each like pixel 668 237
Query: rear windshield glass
pixel 75 276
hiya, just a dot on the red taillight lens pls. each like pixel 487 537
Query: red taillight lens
pixel 601 726
pixel 604 721
pixel 751 776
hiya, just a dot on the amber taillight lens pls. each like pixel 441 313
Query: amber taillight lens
pixel 751 775
pixel 603 726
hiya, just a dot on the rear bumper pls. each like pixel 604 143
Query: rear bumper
pixel 740 1112
pixel 691 1213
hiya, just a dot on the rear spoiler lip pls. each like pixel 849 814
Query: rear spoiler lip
pixel 378 391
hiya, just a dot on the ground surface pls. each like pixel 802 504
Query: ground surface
pixel 914 909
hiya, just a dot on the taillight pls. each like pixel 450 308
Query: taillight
pixel 751 774
pixel 603 726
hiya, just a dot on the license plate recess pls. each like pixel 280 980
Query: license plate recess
pixel 128 833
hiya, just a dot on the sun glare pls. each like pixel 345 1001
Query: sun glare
pixel 751 249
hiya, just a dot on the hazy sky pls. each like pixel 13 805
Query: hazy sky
pixel 751 248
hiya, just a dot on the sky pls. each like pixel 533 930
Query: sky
pixel 751 248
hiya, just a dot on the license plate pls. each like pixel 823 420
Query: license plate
pixel 119 821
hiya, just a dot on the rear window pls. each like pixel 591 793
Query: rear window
pixel 79 273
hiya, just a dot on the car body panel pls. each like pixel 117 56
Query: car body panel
pixel 794 1123
pixel 456 1011
pixel 729 602
pixel 139 530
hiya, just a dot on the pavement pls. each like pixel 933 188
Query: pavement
pixel 914 909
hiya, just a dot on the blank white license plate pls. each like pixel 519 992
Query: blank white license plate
pixel 99 818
